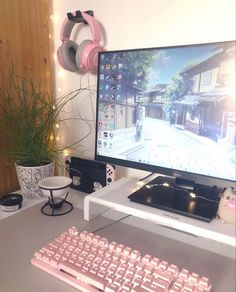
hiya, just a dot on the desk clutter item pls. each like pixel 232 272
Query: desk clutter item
pixel 89 175
pixel 227 206
pixel 56 188
pixel 11 202
pixel 89 262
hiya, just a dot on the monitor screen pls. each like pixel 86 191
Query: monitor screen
pixel 169 110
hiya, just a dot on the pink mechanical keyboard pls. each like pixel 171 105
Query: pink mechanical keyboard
pixel 90 263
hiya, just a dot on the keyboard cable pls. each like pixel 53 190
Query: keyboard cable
pixel 110 224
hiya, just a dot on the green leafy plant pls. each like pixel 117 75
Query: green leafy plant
pixel 28 119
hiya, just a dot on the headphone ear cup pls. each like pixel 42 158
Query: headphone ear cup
pixel 66 55
pixel 87 55
pixel 80 55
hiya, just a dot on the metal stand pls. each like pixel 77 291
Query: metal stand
pixel 56 206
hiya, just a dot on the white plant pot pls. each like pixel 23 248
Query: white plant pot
pixel 56 186
pixel 29 177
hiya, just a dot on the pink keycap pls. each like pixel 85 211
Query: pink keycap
pixel 89 262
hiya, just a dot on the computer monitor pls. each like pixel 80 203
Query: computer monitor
pixel 169 110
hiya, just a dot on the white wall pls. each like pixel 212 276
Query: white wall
pixel 134 24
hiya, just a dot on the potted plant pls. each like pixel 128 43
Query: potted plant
pixel 28 130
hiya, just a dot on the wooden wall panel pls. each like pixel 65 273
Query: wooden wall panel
pixel 25 45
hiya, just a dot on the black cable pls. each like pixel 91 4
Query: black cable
pixel 147 176
pixel 108 225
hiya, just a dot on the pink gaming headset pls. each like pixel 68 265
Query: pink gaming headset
pixel 83 57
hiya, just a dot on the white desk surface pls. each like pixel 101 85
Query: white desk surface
pixel 25 232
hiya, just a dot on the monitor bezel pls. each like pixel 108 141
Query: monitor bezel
pixel 195 177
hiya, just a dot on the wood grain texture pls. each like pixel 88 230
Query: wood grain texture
pixel 25 46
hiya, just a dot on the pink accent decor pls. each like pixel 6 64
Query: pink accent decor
pixel 94 26
pixel 89 262
pixel 231 204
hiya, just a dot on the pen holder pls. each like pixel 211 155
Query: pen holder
pixel 56 188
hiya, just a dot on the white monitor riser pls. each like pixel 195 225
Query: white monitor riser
pixel 115 197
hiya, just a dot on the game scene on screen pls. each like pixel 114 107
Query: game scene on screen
pixel 170 107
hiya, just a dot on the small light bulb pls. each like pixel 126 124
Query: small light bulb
pixel 166 184
pixel 192 195
pixel 65 152
pixel 61 73
pixel 57 126
pixel 140 184
pixel 57 138
pixel 54 18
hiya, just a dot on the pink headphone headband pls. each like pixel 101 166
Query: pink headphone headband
pixel 68 25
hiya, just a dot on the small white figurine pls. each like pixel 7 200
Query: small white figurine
pixel 227 206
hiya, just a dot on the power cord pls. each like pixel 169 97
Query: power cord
pixel 119 220
pixel 110 224
pixel 122 218
pixel 147 176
